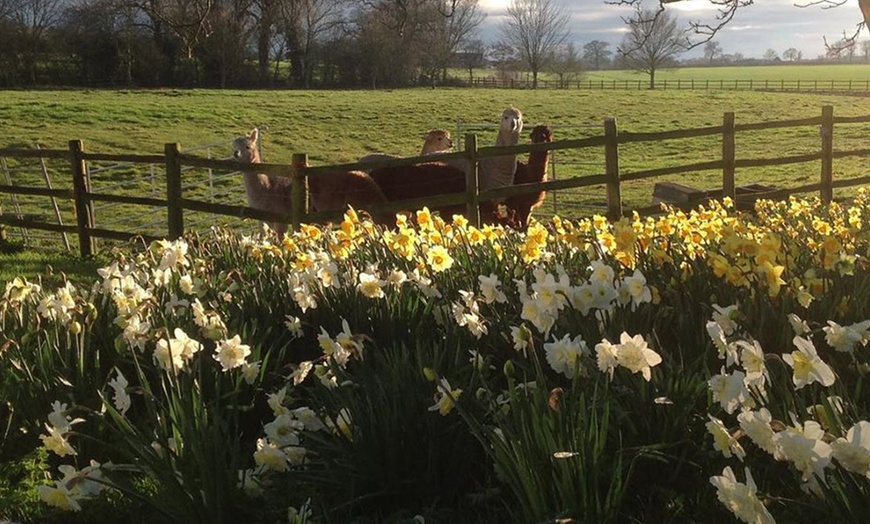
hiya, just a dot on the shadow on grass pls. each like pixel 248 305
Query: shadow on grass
pixel 48 266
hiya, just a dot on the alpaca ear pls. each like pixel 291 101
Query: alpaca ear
pixel 255 134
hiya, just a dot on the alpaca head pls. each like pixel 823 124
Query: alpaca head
pixel 436 141
pixel 541 134
pixel 511 123
pixel 245 148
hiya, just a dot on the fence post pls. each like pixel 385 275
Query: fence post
pixel 728 150
pixel 827 132
pixel 84 207
pixel 174 211
pixel 472 188
pixel 298 190
pixel 611 169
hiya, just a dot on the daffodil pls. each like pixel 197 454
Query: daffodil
pixel 807 365
pixel 370 285
pixel 439 259
pixel 231 353
pixel 853 451
pixel 804 446
pixel 634 355
pixel 445 398
pixel 723 441
pixel 564 355
pixel 741 499
pixel 757 426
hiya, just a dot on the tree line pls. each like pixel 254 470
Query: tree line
pixel 231 43
pixel 330 43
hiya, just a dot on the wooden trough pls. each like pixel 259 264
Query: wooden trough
pixel 686 196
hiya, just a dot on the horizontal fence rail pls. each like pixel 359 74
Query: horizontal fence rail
pixel 176 203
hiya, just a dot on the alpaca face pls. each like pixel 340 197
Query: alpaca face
pixel 437 140
pixel 245 148
pixel 541 134
pixel 512 121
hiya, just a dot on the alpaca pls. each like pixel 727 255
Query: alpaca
pixel 435 141
pixel 420 181
pixel 336 191
pixel 499 171
pixel 328 191
pixel 264 192
pixel 534 171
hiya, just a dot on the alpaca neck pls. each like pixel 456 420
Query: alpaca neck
pixel 499 171
pixel 539 161
pixel 258 187
pixel 507 138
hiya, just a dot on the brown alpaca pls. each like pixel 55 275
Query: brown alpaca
pixel 435 141
pixel 420 181
pixel 499 171
pixel 336 191
pixel 328 191
pixel 432 179
pixel 534 171
pixel 264 192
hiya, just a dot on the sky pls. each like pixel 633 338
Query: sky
pixel 767 24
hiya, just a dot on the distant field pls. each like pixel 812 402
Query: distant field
pixel 339 126
pixel 857 72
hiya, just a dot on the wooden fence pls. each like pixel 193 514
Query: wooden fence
pixel 611 177
pixel 678 84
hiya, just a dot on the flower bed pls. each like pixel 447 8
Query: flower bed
pixel 590 370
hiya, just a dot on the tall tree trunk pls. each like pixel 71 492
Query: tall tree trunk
pixel 264 40
pixel 652 78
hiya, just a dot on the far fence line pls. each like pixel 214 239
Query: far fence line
pixel 176 203
pixel 678 84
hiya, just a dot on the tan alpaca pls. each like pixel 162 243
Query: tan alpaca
pixel 434 141
pixel 499 171
pixel 534 171
pixel 264 192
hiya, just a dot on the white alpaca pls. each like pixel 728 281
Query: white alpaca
pixel 435 141
pixel 499 171
pixel 264 192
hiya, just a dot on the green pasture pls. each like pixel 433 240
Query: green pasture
pixel 788 72
pixel 340 126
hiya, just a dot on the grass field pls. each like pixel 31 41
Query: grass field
pixel 340 126
pixel 857 72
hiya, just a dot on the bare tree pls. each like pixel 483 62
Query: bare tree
pixel 442 36
pixel 596 53
pixel 791 54
pixel 844 47
pixel 7 7
pixel 224 49
pixel 397 13
pixel 472 56
pixel 865 50
pixel 566 64
pixel 34 18
pixel 535 29
pixel 726 9
pixel 652 42
pixel 305 24
pixel 185 19
pixel 504 58
pixel 770 55
pixel 712 50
